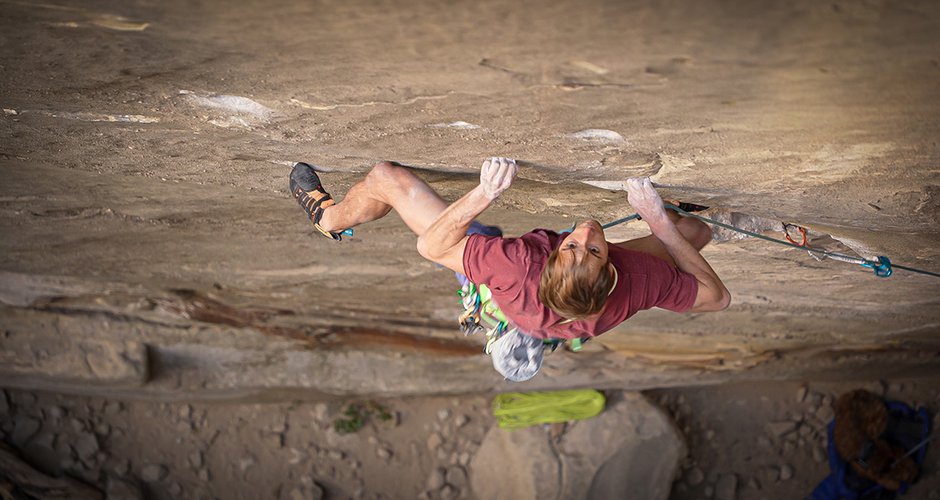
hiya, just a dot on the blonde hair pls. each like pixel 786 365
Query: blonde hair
pixel 574 292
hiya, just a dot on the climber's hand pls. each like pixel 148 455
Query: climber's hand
pixel 496 176
pixel 643 197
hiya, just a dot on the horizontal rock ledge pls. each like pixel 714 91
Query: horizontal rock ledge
pixel 251 366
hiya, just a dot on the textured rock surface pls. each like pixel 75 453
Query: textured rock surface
pixel 632 449
pixel 19 478
pixel 519 464
pixel 144 197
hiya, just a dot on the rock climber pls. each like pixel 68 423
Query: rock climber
pixel 549 285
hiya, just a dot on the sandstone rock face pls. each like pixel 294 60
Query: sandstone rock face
pixel 515 465
pixel 30 358
pixel 631 450
pixel 146 214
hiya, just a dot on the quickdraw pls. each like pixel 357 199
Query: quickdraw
pixel 800 229
pixel 481 314
pixel 882 266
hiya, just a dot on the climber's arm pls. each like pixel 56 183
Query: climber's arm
pixel 446 238
pixel 712 294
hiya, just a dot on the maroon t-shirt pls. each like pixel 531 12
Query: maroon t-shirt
pixel 511 268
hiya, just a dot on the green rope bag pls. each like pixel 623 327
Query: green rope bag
pixel 516 410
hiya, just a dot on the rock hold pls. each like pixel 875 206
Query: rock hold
pixel 786 472
pixel 819 455
pixel 175 489
pixel 86 446
pixel 321 412
pixel 113 408
pixel 434 441
pixel 24 430
pixel 77 425
pixel 279 428
pixel 46 439
pixel 448 492
pixel 781 429
pixel 297 456
pixel 196 459
pixel 436 479
pixel 801 393
pixel 246 462
pixel 456 476
pixel 816 398
pixel 825 413
pixel 153 473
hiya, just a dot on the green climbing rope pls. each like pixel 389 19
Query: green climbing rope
pixel 516 410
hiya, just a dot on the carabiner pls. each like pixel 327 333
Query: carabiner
pixel 882 266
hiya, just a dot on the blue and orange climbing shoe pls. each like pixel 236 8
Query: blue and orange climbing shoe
pixel 306 188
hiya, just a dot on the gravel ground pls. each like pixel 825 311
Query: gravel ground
pixel 746 441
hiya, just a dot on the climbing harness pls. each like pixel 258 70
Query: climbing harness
pixel 481 314
pixel 882 266
pixel 514 354
pixel 516 410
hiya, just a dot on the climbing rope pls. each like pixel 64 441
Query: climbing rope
pixel 882 266
pixel 516 410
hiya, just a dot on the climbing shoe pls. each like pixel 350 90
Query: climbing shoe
pixel 306 188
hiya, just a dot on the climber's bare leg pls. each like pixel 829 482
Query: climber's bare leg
pixel 387 186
